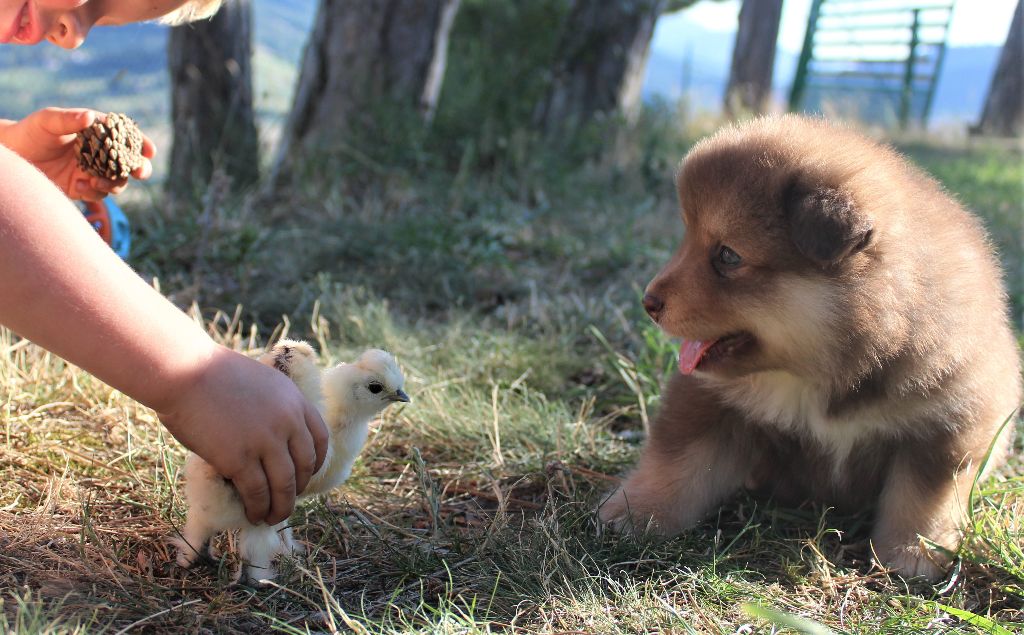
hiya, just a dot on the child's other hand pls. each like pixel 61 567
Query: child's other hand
pixel 251 423
pixel 46 139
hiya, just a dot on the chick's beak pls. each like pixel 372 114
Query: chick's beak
pixel 399 395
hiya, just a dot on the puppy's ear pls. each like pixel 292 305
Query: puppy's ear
pixel 824 223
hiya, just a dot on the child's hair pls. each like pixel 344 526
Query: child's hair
pixel 192 10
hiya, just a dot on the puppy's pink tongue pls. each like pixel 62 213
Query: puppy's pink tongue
pixel 690 353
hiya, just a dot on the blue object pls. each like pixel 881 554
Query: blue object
pixel 111 224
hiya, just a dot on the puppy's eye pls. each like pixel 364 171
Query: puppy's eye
pixel 375 388
pixel 726 259
pixel 729 257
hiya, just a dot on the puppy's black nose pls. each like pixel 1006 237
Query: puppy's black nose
pixel 653 305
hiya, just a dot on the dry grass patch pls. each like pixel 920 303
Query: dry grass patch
pixel 514 310
pixel 470 511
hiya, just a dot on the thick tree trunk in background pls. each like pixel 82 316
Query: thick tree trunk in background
pixel 600 62
pixel 1004 112
pixel 362 53
pixel 214 125
pixel 753 58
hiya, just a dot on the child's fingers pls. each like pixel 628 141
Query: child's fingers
pixel 108 186
pixel 148 147
pixel 303 458
pixel 144 171
pixel 255 492
pixel 318 430
pixel 281 478
pixel 85 191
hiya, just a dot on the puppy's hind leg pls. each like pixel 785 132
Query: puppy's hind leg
pixel 921 503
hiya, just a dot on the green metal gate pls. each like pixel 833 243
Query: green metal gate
pixel 877 60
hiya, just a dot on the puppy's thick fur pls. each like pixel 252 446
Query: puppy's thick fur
pixel 850 347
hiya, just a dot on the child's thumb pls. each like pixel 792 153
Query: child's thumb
pixel 63 121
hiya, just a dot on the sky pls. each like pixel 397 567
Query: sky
pixel 974 23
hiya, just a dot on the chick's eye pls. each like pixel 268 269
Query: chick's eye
pixel 375 388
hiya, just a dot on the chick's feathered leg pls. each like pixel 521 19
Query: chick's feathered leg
pixel 258 545
pixel 213 506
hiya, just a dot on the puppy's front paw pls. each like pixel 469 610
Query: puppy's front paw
pixel 614 512
pixel 915 561
pixel 629 512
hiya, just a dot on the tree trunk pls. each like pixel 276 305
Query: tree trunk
pixel 600 62
pixel 360 55
pixel 1003 114
pixel 214 125
pixel 753 58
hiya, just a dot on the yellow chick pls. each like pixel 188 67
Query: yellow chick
pixel 348 396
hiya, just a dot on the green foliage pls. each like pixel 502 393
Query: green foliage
pixel 499 64
pixel 23 613
pixel 795 622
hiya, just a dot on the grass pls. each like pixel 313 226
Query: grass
pixel 511 302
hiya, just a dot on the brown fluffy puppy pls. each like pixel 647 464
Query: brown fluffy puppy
pixel 845 341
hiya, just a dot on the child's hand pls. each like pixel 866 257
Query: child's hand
pixel 46 139
pixel 251 423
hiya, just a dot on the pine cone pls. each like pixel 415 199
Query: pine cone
pixel 111 149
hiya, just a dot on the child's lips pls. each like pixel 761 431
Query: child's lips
pixel 15 25
pixel 29 31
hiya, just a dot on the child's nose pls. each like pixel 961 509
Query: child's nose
pixel 69 31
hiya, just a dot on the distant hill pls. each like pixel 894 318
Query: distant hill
pixel 281 27
pixel 125 69
pixel 700 59
pixel 964 82
pixel 119 67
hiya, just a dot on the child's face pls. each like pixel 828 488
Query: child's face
pixel 67 22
